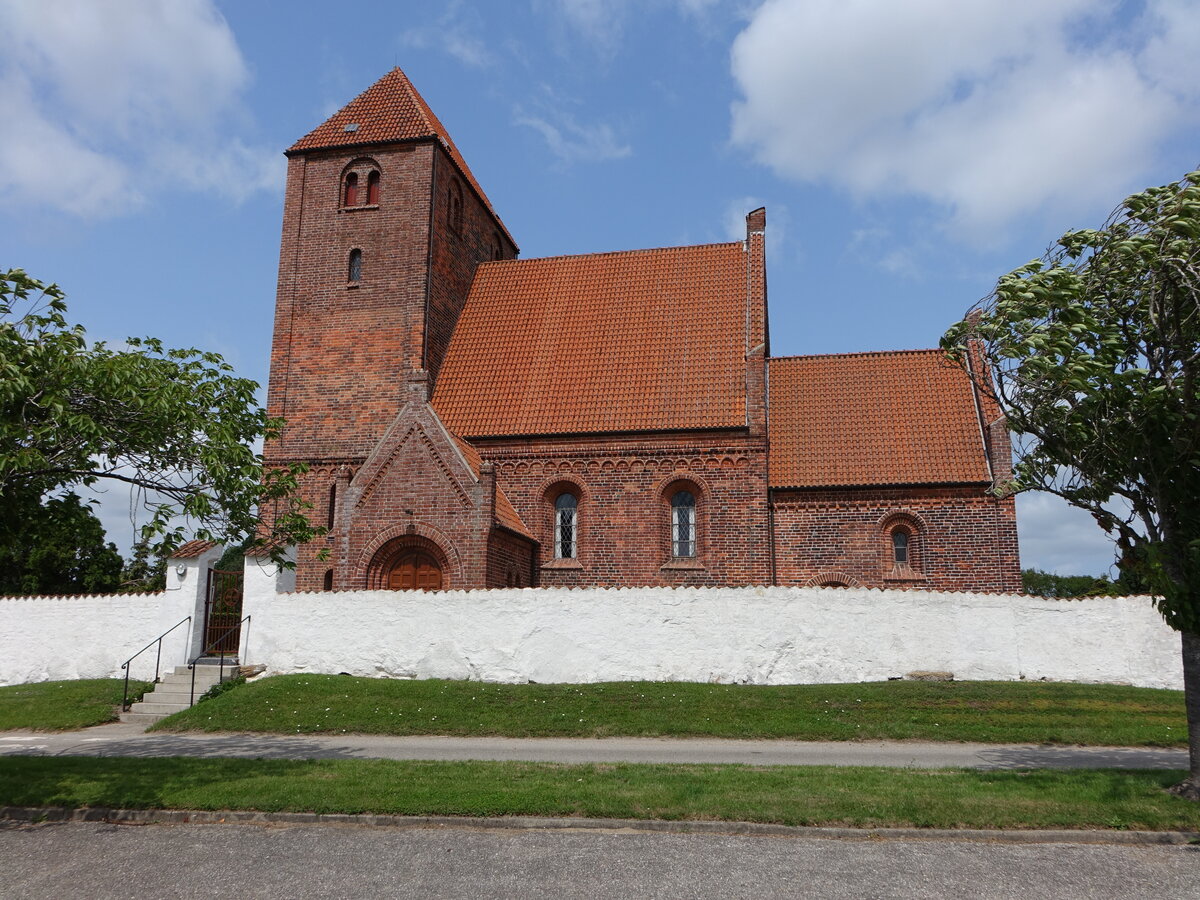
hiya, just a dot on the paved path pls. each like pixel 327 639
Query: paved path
pixel 129 740
pixel 221 861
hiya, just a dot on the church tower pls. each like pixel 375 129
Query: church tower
pixel 383 228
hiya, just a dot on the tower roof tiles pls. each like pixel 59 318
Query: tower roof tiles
pixel 389 111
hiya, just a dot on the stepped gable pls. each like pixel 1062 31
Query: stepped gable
pixel 389 111
pixel 642 340
pixel 892 418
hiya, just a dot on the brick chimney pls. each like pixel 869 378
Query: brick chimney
pixel 757 339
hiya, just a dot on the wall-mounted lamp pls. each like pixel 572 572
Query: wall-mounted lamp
pixel 181 570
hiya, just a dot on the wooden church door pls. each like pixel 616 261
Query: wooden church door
pixel 415 571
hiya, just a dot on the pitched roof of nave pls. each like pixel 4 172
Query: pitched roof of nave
pixel 640 340
pixel 897 417
pixel 388 111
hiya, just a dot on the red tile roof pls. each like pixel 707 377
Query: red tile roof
pixel 192 549
pixel 903 417
pixel 390 110
pixel 634 341
pixel 506 514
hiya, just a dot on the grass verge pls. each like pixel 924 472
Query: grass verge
pixel 64 705
pixel 860 797
pixel 989 712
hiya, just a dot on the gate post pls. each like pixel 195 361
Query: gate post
pixel 262 582
pixel 187 585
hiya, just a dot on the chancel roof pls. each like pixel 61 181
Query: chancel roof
pixel 902 417
pixel 642 340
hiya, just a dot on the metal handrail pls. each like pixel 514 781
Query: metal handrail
pixel 221 675
pixel 125 704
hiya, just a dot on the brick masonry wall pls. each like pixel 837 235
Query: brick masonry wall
pixel 964 538
pixel 415 490
pixel 456 253
pixel 624 516
pixel 341 348
pixel 511 561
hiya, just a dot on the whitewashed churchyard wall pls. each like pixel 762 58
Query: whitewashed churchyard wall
pixel 89 636
pixel 754 635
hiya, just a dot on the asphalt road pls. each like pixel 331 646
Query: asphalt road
pixel 191 861
pixel 129 740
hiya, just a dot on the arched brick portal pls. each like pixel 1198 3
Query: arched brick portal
pixel 409 562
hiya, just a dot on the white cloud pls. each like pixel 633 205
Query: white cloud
pixel 571 141
pixel 1057 537
pixel 990 109
pixel 105 101
pixel 457 32
pixel 602 23
pixel 42 162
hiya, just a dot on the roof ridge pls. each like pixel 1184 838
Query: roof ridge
pixel 858 353
pixel 533 259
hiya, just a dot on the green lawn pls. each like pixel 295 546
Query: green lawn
pixel 996 712
pixel 64 705
pixel 860 797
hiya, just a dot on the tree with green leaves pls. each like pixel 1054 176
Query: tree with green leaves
pixel 54 545
pixel 175 426
pixel 144 573
pixel 1048 584
pixel 1093 353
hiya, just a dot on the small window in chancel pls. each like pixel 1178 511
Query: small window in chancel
pixel 350 195
pixel 373 189
pixel 903 549
pixel 354 272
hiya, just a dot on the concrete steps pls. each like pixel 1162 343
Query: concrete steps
pixel 174 692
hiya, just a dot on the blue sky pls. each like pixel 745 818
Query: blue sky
pixel 907 153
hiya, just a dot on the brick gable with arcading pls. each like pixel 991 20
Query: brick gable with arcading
pixel 614 419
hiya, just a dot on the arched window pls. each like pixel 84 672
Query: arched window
pixel 497 247
pixel 683 524
pixel 373 189
pixel 354 272
pixel 456 206
pixel 902 538
pixel 332 506
pixel 328 584
pixel 565 526
pixel 350 196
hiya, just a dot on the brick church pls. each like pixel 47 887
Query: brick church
pixel 473 420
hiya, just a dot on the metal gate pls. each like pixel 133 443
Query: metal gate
pixel 222 613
